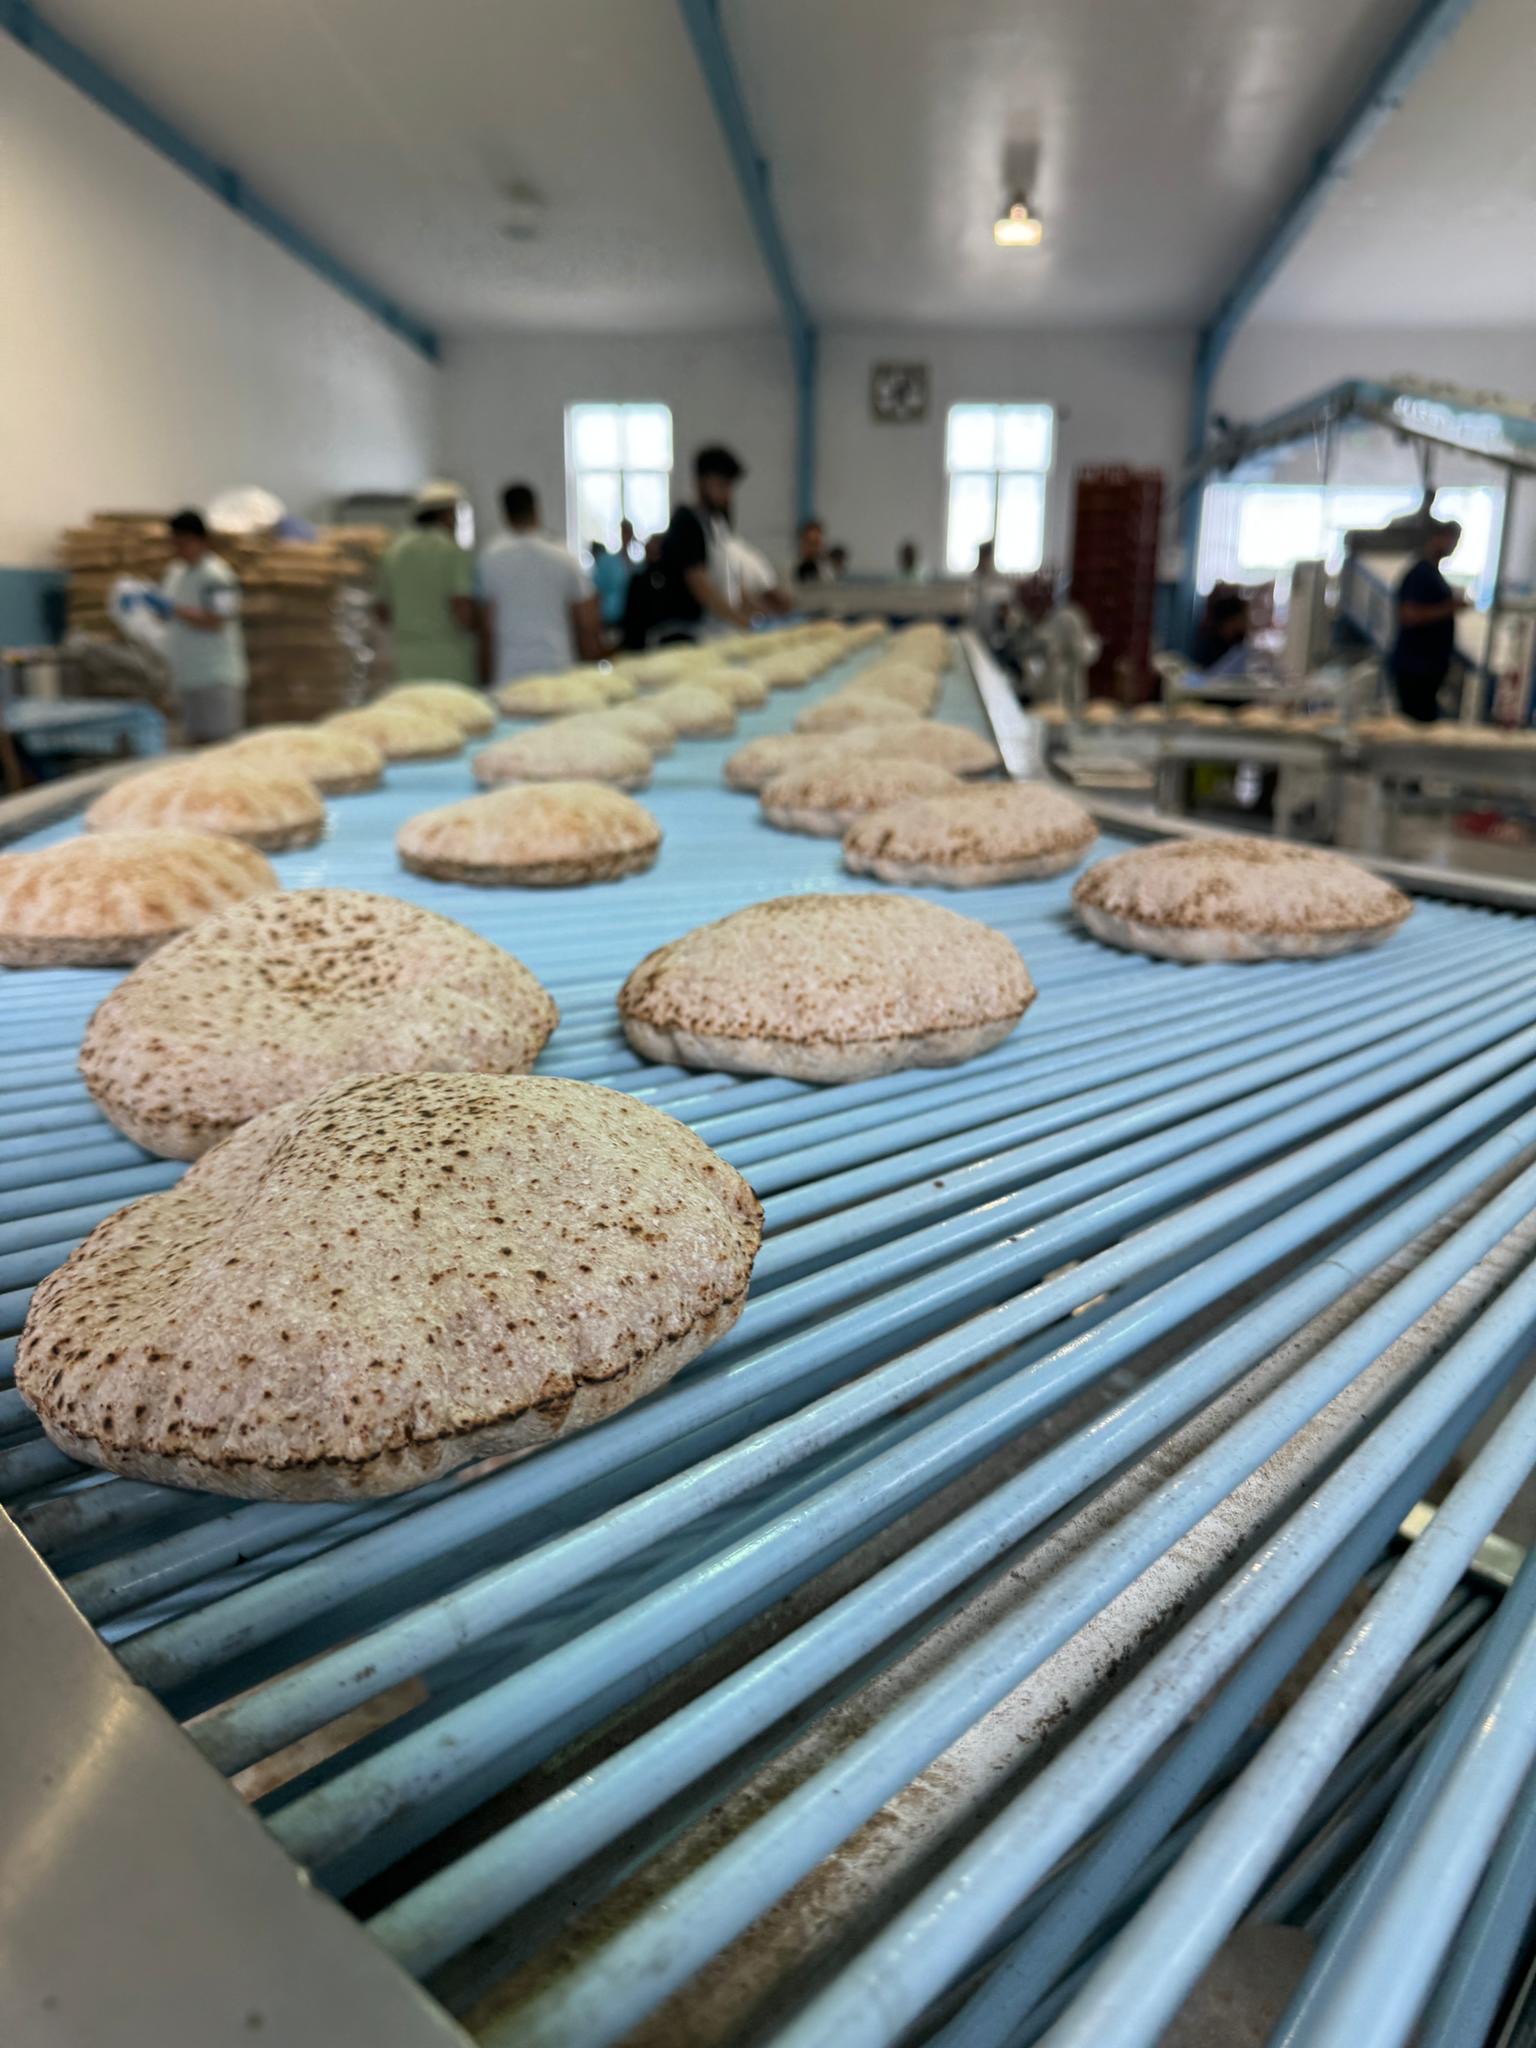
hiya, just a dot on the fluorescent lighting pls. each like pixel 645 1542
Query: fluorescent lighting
pixel 1018 228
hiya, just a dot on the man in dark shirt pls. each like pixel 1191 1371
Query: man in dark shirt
pixel 1426 627
pixel 810 539
pixel 695 574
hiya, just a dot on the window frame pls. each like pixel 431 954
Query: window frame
pixel 997 471
pixel 575 471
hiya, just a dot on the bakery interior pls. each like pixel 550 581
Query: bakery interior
pixel 768 979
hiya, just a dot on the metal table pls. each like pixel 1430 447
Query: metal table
pixel 915 1639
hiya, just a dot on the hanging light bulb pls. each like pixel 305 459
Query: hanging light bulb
pixel 1018 228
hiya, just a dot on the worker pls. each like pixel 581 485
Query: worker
pixel 698 578
pixel 610 579
pixel 647 596
pixel 200 600
pixel 810 537
pixel 1221 643
pixel 909 563
pixel 540 611
pixel 837 563
pixel 1426 626
pixel 629 546
pixel 426 594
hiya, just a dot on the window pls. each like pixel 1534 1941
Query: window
pixel 996 460
pixel 1250 533
pixel 618 465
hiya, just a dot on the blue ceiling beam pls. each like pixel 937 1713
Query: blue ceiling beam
pixel 1404 62
pixel 706 32
pixel 26 26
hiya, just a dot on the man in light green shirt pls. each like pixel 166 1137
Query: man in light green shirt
pixel 204 645
pixel 425 595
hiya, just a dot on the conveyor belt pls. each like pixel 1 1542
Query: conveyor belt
pixel 1079 1387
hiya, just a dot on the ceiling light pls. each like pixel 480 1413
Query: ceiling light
pixel 1018 228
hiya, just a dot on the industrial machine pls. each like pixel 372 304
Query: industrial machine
pixel 1025 1625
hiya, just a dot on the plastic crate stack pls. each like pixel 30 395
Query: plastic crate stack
pixel 1114 573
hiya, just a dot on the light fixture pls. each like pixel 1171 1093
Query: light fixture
pixel 1018 228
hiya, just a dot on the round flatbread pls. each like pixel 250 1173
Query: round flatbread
pixel 266 807
pixel 402 732
pixel 282 995
pixel 361 1291
pixel 642 722
pixel 784 668
pixel 743 687
pixel 1201 714
pixel 824 797
pixel 1007 832
pixel 616 687
pixel 110 898
pixel 1233 898
pixel 551 696
pixel 847 708
pixel 904 683
pixel 695 711
pixel 337 763
pixel 1261 718
pixel 954 747
pixel 470 710
pixel 756 762
pixel 534 835
pixel 1101 711
pixel 567 750
pixel 827 988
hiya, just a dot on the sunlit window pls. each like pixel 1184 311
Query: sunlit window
pixel 1256 533
pixel 997 460
pixel 618 465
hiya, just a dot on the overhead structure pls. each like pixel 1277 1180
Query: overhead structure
pixel 701 18
pixel 1405 61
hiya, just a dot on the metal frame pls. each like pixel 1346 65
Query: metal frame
pixel 22 22
pixel 701 18
pixel 1409 55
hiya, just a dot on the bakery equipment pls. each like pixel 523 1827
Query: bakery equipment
pixel 1079 1387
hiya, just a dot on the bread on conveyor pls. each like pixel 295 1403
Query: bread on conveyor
pixel 903 682
pixel 470 710
pixel 356 1293
pixel 282 995
pixel 566 750
pixel 845 708
pixel 1003 832
pixel 402 732
pixel 695 711
pixel 1233 898
pixel 535 834
pixel 551 696
pixel 756 762
pixel 267 807
pixel 827 988
pixel 107 899
pixel 825 796
pixel 743 687
pixel 954 747
pixel 337 763
pixel 637 721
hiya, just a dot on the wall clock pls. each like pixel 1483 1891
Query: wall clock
pixel 898 392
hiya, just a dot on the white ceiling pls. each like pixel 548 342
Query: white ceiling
pixel 1439 225
pixel 1167 135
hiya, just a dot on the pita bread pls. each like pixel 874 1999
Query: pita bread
pixel 284 994
pixel 107 899
pixel 470 710
pixel 1101 711
pixel 337 763
pixel 642 722
pixel 567 750
pixel 402 732
pixel 695 711
pixel 973 839
pixel 758 761
pixel 358 1292
pixel 824 796
pixel 1234 898
pixel 551 696
pixel 954 747
pixel 904 683
pixel 742 687
pixel 827 988
pixel 214 793
pixel 847 708
pixel 534 834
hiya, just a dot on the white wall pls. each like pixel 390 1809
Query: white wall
pixel 504 400
pixel 1120 396
pixel 1271 365
pixel 155 348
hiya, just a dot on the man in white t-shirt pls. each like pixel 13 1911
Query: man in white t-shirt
pixel 540 608
pixel 204 646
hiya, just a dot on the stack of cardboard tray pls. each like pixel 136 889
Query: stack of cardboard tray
pixel 306 609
